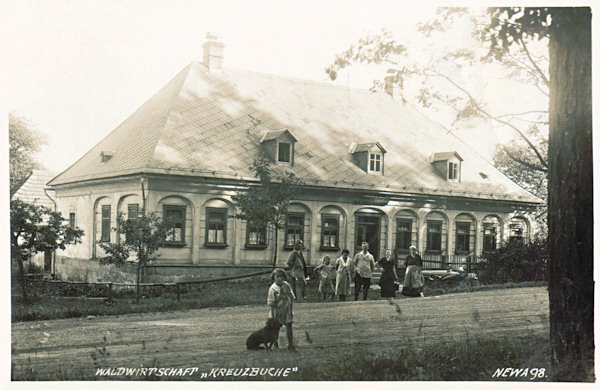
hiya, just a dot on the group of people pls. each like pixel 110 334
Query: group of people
pixel 335 279
pixel 281 293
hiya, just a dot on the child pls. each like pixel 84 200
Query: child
pixel 326 277
pixel 279 301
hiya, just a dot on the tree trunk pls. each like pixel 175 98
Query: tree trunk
pixel 137 289
pixel 570 196
pixel 275 254
pixel 22 277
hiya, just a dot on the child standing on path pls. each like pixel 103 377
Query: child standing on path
pixel 279 301
pixel 326 278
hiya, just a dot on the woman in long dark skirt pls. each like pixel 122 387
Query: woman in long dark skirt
pixel 413 280
pixel 388 275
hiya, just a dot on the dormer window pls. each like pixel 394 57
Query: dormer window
pixel 374 162
pixel 452 171
pixel 448 165
pixel 279 145
pixel 368 156
pixel 284 152
pixel 105 156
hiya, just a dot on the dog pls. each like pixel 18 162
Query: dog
pixel 267 336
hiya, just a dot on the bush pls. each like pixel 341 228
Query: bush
pixel 516 262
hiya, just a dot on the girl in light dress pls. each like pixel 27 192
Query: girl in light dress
pixel 279 301
pixel 326 277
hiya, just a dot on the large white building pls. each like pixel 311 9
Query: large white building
pixel 374 168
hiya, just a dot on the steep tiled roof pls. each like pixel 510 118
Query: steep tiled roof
pixel 32 191
pixel 204 123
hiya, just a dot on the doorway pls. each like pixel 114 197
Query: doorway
pixel 367 229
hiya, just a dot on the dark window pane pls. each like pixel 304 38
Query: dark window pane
pixel 462 237
pixel 434 235
pixel 284 152
pixel 489 237
pixel 403 233
pixel 132 211
pixel 105 223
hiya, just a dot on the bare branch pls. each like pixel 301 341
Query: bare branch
pixel 524 163
pixel 542 91
pixel 489 116
pixel 535 65
pixel 524 113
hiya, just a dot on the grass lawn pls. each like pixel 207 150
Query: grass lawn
pixel 68 301
pixel 471 359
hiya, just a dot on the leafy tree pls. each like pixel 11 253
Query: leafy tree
pixel 517 162
pixel 570 179
pixel 143 236
pixel 34 229
pixel 266 203
pixel 24 142
pixel 443 84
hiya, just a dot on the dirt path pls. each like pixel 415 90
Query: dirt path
pixel 215 338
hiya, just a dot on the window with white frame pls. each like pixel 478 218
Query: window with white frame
pixel 216 227
pixel 174 216
pixel 256 236
pixel 294 229
pixel 330 232
pixel 452 171
pixel 374 162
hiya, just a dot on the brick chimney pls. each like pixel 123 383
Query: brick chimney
pixel 213 52
pixel 391 83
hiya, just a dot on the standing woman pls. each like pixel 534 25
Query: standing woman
pixel 413 280
pixel 297 268
pixel 388 275
pixel 343 270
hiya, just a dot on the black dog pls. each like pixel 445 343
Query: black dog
pixel 267 335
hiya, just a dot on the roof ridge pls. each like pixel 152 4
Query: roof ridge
pixel 298 79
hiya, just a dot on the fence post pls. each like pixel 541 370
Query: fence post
pixel 178 296
pixel 444 263
pixel 109 292
pixel 469 263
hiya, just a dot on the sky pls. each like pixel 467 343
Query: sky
pixel 77 69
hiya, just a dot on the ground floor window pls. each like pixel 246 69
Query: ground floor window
pixel 105 232
pixel 489 237
pixel 403 234
pixel 462 237
pixel 434 235
pixel 294 230
pixel 517 231
pixel 256 237
pixel 216 227
pixel 330 232
pixel 132 211
pixel 175 216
